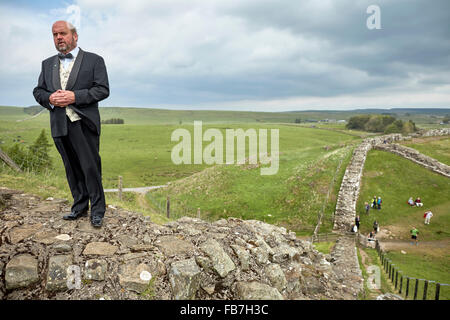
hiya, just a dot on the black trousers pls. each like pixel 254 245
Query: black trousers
pixel 79 151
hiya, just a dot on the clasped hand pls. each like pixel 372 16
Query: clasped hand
pixel 62 98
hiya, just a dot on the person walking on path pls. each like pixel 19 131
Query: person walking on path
pixel 357 220
pixel 414 232
pixel 376 227
pixel 374 202
pixel 367 207
pixel 428 216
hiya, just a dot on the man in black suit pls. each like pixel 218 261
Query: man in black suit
pixel 70 86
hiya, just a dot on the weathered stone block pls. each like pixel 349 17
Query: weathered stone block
pixel 100 249
pixel 256 291
pixel 135 277
pixel 184 277
pixel 221 262
pixel 95 269
pixel 21 271
pixel 276 276
pixel 171 245
pixel 57 272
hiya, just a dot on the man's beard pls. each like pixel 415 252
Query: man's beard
pixel 64 47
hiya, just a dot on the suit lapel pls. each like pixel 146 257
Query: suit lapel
pixel 75 69
pixel 56 81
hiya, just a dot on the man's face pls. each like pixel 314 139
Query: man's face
pixel 64 39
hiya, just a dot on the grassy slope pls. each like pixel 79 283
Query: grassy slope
pixel 292 197
pixel 396 179
pixel 435 147
pixel 424 266
pixel 141 154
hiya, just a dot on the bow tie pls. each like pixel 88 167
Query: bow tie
pixel 65 56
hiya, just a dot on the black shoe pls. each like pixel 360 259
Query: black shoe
pixel 75 215
pixel 96 221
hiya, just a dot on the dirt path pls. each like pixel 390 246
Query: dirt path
pixel 142 190
pixel 434 248
pixel 367 261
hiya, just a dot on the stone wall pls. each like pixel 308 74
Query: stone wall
pixel 436 132
pixel 132 258
pixel 345 261
pixel 345 211
pixel 417 157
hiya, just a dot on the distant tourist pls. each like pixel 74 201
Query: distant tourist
pixel 379 201
pixel 357 221
pixel 414 232
pixel 418 202
pixel 428 216
pixel 354 228
pixel 367 207
pixel 374 202
pixel 376 227
pixel 371 236
pixel 411 202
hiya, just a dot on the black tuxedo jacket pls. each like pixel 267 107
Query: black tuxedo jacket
pixel 88 80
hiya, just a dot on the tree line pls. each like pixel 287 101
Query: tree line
pixel 381 123
pixel 113 121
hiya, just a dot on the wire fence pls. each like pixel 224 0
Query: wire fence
pixel 174 208
pixel 325 202
pixel 330 237
pixel 410 287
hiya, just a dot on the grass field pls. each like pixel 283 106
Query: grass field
pixel 311 156
pixel 396 179
pixel 141 154
pixel 435 147
pixel 293 197
pixel 424 266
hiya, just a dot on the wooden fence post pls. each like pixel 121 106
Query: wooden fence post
pixel 401 284
pixel 120 188
pixel 396 279
pixel 9 161
pixel 168 207
pixel 407 287
pixel 425 289
pixel 415 289
pixel 438 288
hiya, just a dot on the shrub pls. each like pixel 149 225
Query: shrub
pixel 32 158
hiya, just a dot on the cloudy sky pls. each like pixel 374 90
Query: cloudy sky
pixel 265 55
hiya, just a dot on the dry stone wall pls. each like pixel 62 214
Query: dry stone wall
pixel 43 256
pixel 417 157
pixel 345 212
pixel 345 261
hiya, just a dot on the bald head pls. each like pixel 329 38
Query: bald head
pixel 65 36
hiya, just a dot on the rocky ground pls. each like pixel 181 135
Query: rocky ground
pixel 43 256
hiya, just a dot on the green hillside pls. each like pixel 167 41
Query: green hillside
pixel 435 147
pixel 396 179
pixel 293 197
